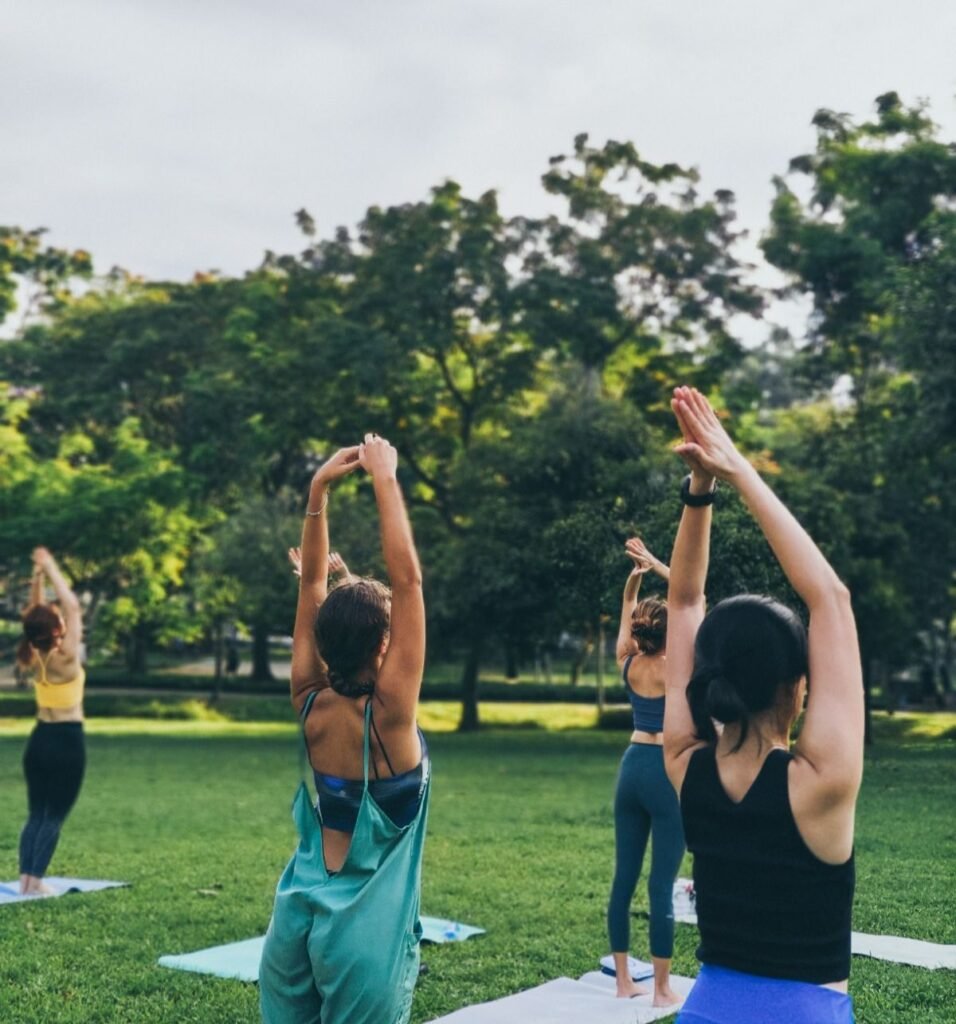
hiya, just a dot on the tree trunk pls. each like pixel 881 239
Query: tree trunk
pixel 511 662
pixel 869 666
pixel 217 663
pixel 261 669
pixel 600 667
pixel 580 660
pixel 469 687
pixel 136 647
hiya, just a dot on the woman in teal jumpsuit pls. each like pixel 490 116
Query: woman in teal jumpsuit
pixel 342 945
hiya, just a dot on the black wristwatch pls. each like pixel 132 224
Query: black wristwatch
pixel 696 500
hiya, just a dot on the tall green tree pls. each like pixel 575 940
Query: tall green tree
pixel 637 279
pixel 874 247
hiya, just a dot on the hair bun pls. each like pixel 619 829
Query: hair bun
pixel 649 625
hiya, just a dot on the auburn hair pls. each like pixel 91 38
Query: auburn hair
pixel 42 628
pixel 649 625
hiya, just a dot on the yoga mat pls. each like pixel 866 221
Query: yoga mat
pixel 638 969
pixel 892 948
pixel 565 1001
pixel 10 891
pixel 914 952
pixel 240 960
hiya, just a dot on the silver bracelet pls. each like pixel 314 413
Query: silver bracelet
pixel 313 515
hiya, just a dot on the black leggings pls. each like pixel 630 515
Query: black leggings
pixel 53 764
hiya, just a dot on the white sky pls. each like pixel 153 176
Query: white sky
pixel 176 135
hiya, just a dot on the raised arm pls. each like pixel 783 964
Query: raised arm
pixel 312 565
pixel 400 677
pixel 625 644
pixel 644 562
pixel 36 587
pixel 66 599
pixel 831 740
pixel 685 603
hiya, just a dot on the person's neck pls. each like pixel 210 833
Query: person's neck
pixel 762 737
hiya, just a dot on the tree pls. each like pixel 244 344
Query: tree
pixel 638 279
pixel 43 273
pixel 874 247
pixel 115 507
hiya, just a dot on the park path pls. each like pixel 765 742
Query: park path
pixel 200 667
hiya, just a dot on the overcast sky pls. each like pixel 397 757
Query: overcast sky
pixel 176 135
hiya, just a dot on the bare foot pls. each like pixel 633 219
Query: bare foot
pixel 38 887
pixel 628 989
pixel 666 997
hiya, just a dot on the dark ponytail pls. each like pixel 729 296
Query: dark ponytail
pixel 349 630
pixel 746 649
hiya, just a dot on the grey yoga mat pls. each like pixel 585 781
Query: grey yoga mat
pixel 240 960
pixel 10 891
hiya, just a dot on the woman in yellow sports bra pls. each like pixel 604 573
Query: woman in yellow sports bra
pixel 55 756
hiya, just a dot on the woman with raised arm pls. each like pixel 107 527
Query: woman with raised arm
pixel 343 942
pixel 55 756
pixel 645 804
pixel 770 826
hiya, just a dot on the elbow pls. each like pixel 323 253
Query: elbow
pixel 681 600
pixel 410 579
pixel 834 593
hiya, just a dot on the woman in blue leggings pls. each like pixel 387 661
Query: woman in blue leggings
pixel 770 826
pixel 645 804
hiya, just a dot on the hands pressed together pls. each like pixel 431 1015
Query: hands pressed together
pixel 643 560
pixel 706 447
pixel 375 455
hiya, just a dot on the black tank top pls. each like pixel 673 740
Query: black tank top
pixel 765 904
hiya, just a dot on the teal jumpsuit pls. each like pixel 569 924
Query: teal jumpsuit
pixel 342 948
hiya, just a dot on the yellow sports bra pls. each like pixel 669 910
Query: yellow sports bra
pixel 58 696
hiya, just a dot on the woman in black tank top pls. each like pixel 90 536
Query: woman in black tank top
pixel 771 828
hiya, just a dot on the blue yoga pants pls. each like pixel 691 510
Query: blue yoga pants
pixel 645 806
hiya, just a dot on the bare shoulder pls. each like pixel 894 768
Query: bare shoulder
pixel 824 809
pixel 646 676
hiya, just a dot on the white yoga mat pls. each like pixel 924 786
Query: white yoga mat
pixel 240 960
pixel 892 948
pixel 10 891
pixel 914 952
pixel 590 1000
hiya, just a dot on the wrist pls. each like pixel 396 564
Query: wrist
pixel 702 483
pixel 741 472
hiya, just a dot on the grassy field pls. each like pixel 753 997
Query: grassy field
pixel 195 815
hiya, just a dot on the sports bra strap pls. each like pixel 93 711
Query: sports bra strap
pixel 626 668
pixel 365 741
pixel 307 707
pixel 381 746
pixel 43 665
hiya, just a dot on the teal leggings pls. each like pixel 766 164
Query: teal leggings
pixel 645 805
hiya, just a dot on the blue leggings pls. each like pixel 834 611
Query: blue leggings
pixel 645 804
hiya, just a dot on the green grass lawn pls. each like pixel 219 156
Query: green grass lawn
pixel 195 815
